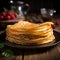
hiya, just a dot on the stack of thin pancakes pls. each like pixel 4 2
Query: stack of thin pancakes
pixel 25 32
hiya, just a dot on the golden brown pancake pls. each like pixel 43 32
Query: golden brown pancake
pixel 25 32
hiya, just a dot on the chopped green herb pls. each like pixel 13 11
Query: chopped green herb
pixel 7 53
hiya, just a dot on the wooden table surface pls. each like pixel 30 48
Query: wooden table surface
pixel 51 53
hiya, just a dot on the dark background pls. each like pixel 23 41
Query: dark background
pixel 35 5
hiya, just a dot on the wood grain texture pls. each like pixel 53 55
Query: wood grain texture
pixel 37 54
pixel 51 54
pixel 17 54
pixel 11 58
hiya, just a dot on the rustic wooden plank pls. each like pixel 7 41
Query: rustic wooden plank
pixel 11 58
pixel 49 54
pixel 17 54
